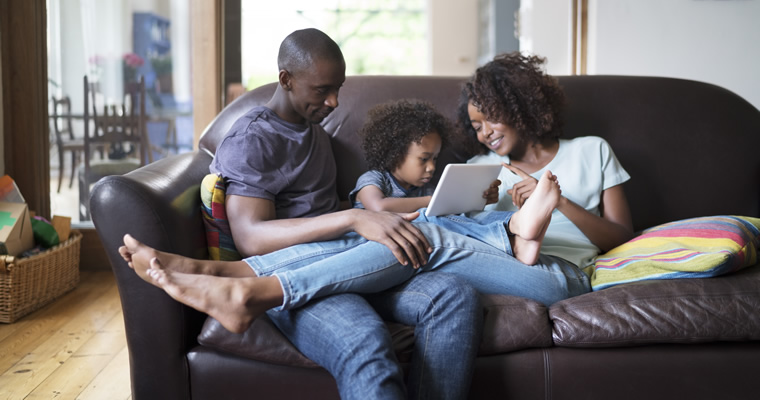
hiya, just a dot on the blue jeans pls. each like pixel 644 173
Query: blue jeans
pixel 353 264
pixel 346 334
pixel 488 227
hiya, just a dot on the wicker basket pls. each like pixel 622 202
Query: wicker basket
pixel 27 284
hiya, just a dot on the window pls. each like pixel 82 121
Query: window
pixel 114 43
pixel 377 37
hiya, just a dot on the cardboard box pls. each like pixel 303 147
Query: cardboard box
pixel 62 225
pixel 16 234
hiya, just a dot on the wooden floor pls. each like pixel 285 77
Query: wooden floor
pixel 74 348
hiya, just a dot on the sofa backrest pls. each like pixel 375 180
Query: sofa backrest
pixel 690 147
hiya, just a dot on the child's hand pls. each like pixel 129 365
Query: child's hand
pixel 492 193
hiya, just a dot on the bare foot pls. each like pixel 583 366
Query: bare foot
pixel 138 256
pixel 234 302
pixel 529 224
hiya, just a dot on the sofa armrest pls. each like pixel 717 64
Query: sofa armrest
pixel 159 204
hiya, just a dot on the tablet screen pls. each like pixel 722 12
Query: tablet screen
pixel 461 188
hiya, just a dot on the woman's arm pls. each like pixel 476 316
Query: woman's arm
pixel 373 199
pixel 612 229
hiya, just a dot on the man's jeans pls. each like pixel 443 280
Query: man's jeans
pixel 346 335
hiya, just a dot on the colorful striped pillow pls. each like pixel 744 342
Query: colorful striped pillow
pixel 218 233
pixel 691 248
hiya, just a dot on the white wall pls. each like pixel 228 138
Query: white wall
pixel 545 30
pixel 705 40
pixel 453 33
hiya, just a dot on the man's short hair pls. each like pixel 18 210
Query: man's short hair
pixel 301 48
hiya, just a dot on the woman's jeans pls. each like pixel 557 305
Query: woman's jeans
pixel 488 227
pixel 353 264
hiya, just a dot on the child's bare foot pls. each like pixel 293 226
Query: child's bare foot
pixel 234 302
pixel 529 224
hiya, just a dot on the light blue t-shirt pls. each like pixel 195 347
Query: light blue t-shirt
pixel 584 167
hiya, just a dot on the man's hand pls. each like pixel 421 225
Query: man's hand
pixel 396 232
pixel 523 189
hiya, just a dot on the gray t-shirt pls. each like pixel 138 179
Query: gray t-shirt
pixel 387 184
pixel 290 164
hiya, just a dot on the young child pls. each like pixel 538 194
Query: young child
pixel 401 142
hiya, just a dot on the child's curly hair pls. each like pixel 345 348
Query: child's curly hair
pixel 393 126
pixel 513 89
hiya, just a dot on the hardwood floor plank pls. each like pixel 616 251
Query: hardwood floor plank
pixel 84 365
pixel 73 348
pixel 60 318
pixel 79 334
pixel 112 382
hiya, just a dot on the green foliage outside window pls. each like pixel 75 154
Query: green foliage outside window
pixel 377 37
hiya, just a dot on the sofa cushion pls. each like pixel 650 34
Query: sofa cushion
pixel 264 342
pixel 513 323
pixel 510 324
pixel 690 248
pixel 218 234
pixel 667 311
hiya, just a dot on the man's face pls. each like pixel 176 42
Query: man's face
pixel 314 91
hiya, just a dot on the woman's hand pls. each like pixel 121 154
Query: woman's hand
pixel 523 189
pixel 492 193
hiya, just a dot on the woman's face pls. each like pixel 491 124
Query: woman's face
pixel 419 165
pixel 500 138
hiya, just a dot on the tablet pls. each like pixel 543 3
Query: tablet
pixel 461 188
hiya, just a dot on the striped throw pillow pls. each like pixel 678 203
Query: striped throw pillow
pixel 218 233
pixel 691 248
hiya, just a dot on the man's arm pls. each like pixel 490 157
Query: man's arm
pixel 256 229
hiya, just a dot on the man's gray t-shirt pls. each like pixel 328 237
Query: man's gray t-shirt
pixel 388 185
pixel 289 164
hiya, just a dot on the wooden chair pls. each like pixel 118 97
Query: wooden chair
pixel 120 131
pixel 65 139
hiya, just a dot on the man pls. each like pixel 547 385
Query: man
pixel 280 180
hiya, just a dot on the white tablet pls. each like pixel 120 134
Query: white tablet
pixel 461 188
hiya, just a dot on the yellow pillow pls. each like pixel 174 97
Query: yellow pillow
pixel 691 248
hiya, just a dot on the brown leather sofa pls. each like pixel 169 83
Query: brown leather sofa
pixel 691 149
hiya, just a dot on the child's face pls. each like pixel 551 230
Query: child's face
pixel 499 138
pixel 419 165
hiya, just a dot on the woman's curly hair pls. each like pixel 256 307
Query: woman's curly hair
pixel 393 126
pixel 514 90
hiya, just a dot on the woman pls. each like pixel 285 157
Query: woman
pixel 510 113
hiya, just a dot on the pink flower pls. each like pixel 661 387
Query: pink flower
pixel 133 60
pixel 96 60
